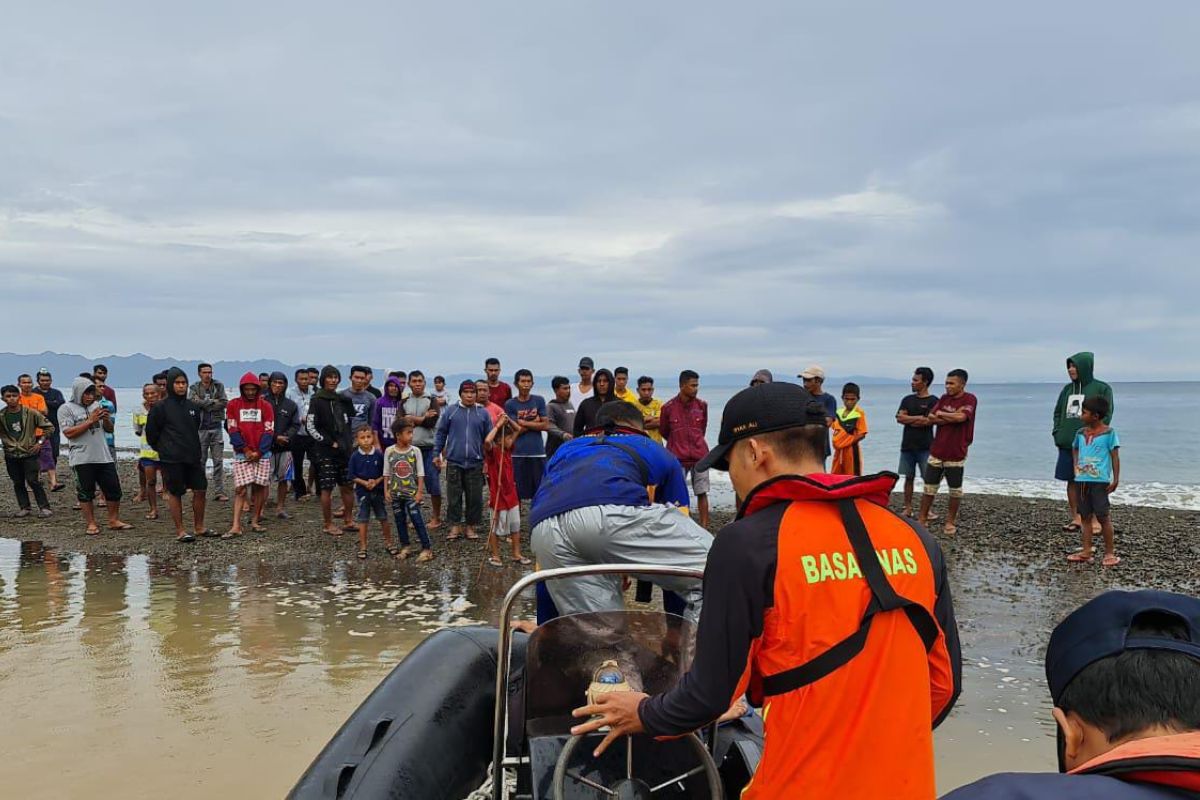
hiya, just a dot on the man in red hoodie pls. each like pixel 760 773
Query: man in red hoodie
pixel 250 422
pixel 832 611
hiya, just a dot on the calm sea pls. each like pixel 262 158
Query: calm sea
pixel 1013 453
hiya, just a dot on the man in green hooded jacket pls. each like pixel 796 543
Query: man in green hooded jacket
pixel 1081 370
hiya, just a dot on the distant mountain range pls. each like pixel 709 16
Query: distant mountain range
pixel 136 369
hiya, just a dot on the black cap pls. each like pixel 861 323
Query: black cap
pixel 762 409
pixel 1100 628
pixel 586 361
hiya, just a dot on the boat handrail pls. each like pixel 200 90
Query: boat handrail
pixel 504 647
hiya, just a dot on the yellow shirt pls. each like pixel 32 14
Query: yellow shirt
pixel 650 411
pixel 629 396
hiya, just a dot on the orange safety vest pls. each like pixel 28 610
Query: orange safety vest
pixel 852 664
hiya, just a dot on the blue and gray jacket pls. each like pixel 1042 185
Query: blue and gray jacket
pixel 460 434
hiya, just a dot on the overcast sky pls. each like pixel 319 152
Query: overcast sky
pixel 664 184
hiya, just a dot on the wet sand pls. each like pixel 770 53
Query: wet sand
pixel 134 665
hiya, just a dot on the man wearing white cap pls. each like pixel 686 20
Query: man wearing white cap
pixel 813 377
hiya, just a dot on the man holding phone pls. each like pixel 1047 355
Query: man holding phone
pixel 85 422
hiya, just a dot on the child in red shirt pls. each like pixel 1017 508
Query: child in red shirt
pixel 502 490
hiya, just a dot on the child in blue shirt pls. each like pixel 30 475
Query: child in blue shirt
pixel 366 472
pixel 1097 473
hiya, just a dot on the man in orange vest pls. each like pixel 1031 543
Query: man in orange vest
pixel 832 611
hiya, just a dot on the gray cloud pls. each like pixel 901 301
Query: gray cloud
pixel 868 186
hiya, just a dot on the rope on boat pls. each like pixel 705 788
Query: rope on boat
pixel 484 792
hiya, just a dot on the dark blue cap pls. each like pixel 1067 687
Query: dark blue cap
pixel 1100 628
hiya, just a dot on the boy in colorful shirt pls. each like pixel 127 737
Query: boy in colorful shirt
pixel 849 428
pixel 650 406
pixel 404 466
pixel 1097 473
pixel 147 455
pixel 250 421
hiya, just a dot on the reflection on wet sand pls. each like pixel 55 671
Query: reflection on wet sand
pixel 218 681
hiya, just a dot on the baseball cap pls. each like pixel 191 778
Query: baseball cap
pixel 812 371
pixel 43 371
pixel 586 361
pixel 762 409
pixel 1100 628
pixel 467 384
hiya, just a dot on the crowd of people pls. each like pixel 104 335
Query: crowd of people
pixel 487 436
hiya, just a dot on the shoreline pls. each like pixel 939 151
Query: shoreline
pixel 1154 542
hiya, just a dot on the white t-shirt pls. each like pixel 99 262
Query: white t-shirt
pixel 578 397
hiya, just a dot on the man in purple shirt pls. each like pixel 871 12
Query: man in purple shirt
pixel 682 424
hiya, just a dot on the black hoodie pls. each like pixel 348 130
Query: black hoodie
pixel 173 425
pixel 329 416
pixel 287 413
pixel 585 415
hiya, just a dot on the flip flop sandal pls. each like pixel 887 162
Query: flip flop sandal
pixel 426 555
pixel 350 528
pixel 495 562
pixel 1072 527
pixel 362 555
pixel 210 533
pixel 258 529
pixel 950 530
pixel 283 515
pixel 453 536
pixel 522 560
pixel 395 551
pixel 125 526
pixel 1110 561
pixel 1080 558
pixel 92 531
pixel 185 539
pixel 58 488
pixel 151 515
pixel 231 534
pixel 472 535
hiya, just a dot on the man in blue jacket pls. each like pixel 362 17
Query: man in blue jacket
pixel 1124 674
pixel 459 447
pixel 614 495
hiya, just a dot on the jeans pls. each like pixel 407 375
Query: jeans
pixel 468 481
pixel 212 445
pixel 404 509
pixel 25 471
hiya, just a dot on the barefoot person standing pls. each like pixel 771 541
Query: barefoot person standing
pixel 173 431
pixel 85 423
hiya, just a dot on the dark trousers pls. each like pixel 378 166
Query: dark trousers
pixel 462 481
pixel 25 471
pixel 301 446
pixel 405 510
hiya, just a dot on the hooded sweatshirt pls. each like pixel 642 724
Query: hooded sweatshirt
pixel 329 417
pixel 287 414
pixel 386 409
pixel 173 425
pixel 250 423
pixel 585 415
pixel 90 447
pixel 1066 411
pixel 26 440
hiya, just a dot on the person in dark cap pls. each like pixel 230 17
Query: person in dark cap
pixel 812 559
pixel 761 377
pixel 583 390
pixel 1124 675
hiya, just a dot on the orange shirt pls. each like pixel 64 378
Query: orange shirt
pixel 37 403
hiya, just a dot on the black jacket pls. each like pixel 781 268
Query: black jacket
pixel 328 422
pixel 173 426
pixel 287 415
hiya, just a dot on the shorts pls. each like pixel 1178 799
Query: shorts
pixel 331 473
pixel 178 478
pixel 527 474
pixel 507 522
pixel 370 505
pixel 913 463
pixel 89 476
pixel 433 475
pixel 246 472
pixel 281 467
pixel 147 463
pixel 699 480
pixel 952 471
pixel 1064 470
pixel 1093 499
